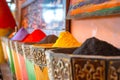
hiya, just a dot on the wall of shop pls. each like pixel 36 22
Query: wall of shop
pixel 104 28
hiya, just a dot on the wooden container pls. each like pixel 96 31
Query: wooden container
pixel 4 42
pixel 8 54
pixel 21 60
pixel 29 61
pixel 62 66
pixel 15 60
pixel 39 59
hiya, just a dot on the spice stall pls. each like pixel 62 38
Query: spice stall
pixel 67 40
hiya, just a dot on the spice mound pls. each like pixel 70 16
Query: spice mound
pixel 35 36
pixel 20 35
pixel 66 40
pixel 94 46
pixel 48 39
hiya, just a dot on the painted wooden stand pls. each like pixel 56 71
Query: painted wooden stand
pixel 62 66
pixel 8 54
pixel 29 64
pixel 35 57
pixel 21 61
pixel 15 60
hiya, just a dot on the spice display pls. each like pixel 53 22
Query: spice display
pixel 20 35
pixel 48 39
pixel 35 36
pixel 94 46
pixel 66 40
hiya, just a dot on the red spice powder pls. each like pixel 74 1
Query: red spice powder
pixel 35 36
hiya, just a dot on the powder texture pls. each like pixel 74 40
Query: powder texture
pixel 94 46
pixel 66 40
pixel 35 36
pixel 48 39
pixel 20 35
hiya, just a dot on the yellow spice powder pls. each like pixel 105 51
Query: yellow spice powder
pixel 66 40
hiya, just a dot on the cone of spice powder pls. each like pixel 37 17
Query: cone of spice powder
pixel 48 39
pixel 94 46
pixel 20 35
pixel 66 40
pixel 35 36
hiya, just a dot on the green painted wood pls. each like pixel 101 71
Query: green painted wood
pixel 10 58
pixel 30 70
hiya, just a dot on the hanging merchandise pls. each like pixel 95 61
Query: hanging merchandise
pixel 66 40
pixel 94 46
pixel 20 35
pixel 35 36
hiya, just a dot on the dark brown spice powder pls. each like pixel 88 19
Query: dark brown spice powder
pixel 94 46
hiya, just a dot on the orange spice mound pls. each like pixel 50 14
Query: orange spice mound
pixel 66 40
pixel 35 36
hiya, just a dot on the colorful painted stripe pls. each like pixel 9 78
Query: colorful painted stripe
pixel 103 12
pixel 92 8
pixel 88 2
